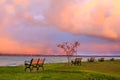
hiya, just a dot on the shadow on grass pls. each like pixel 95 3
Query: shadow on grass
pixel 83 75
pixel 63 71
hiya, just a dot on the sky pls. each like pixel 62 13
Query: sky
pixel 38 26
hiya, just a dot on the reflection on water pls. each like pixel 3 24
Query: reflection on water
pixel 19 60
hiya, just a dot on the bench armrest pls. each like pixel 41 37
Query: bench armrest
pixel 27 62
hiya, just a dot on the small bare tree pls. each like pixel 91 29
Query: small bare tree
pixel 69 49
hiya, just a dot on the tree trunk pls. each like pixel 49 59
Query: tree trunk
pixel 68 57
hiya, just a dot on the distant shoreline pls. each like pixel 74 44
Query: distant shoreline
pixel 19 60
pixel 65 55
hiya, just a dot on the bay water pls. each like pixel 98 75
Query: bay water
pixel 19 60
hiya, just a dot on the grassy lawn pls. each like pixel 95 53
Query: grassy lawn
pixel 108 70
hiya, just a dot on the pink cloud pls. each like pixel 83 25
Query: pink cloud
pixel 89 18
pixel 98 48
pixel 96 18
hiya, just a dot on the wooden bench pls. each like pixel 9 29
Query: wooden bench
pixel 112 59
pixel 77 61
pixel 40 63
pixel 34 63
pixel 92 59
pixel 101 60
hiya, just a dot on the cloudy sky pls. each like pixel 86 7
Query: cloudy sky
pixel 37 26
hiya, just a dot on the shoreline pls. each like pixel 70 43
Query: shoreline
pixel 21 63
pixel 65 55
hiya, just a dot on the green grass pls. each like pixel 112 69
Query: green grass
pixel 108 70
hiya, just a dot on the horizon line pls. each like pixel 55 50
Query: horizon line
pixel 82 55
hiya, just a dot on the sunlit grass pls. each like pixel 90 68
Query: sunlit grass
pixel 108 70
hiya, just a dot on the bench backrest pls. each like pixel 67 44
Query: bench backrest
pixel 92 58
pixel 34 61
pixel 78 59
pixel 102 58
pixel 41 61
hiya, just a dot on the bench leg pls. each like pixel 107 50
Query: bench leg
pixel 27 68
pixel 42 68
pixel 33 68
pixel 39 67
